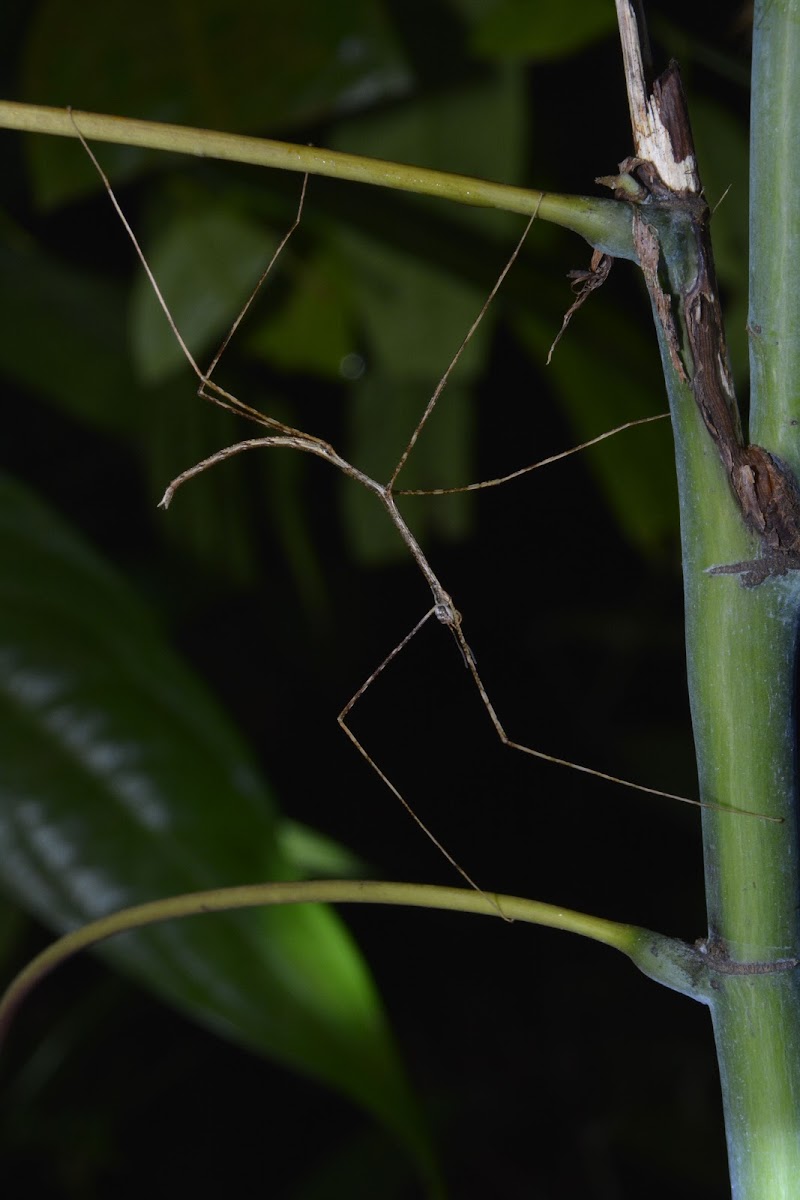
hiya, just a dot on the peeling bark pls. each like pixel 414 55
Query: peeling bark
pixel 663 185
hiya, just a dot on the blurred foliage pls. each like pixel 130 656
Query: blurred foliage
pixel 100 812
pixel 513 29
pixel 282 588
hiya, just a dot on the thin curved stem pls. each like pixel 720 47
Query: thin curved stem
pixel 664 958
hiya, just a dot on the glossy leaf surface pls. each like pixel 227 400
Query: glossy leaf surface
pixel 121 781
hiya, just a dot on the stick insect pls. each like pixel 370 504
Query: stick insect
pixel 442 607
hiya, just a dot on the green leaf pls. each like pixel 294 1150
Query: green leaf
pixel 207 260
pixel 312 331
pixel 475 129
pixel 415 317
pixel 415 314
pixel 208 63
pixel 383 412
pixel 212 519
pixel 517 29
pixel 316 856
pixel 635 469
pixel 121 781
pixel 69 334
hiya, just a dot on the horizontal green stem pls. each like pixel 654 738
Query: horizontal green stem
pixel 666 959
pixel 604 223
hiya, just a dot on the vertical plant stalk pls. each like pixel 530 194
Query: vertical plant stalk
pixel 740 529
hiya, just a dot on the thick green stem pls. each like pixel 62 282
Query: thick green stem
pixel 741 644
pixel 774 319
pixel 740 529
pixel 745 711
pixel 756 1030
pixel 741 664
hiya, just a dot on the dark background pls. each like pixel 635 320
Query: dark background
pixel 548 1066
